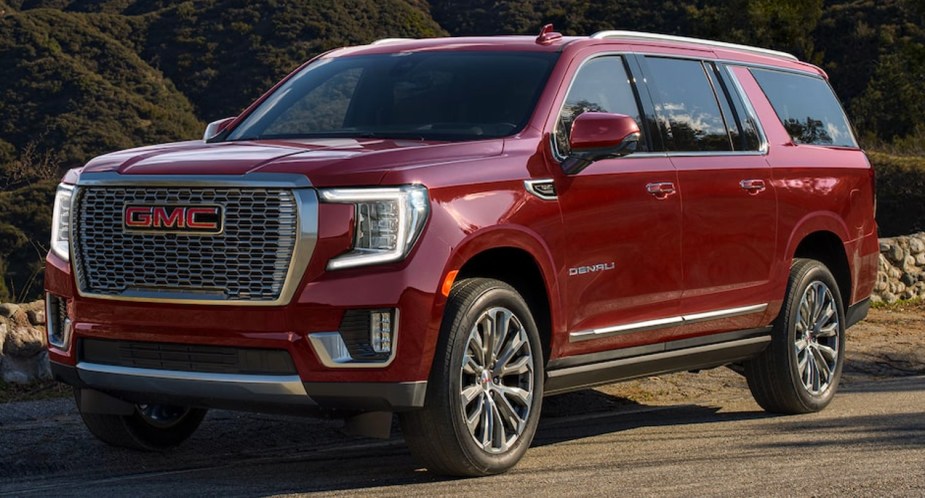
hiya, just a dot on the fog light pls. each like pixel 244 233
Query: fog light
pixel 57 322
pixel 380 331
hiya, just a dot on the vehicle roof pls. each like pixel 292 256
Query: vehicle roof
pixel 649 43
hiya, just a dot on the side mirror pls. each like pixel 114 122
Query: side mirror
pixel 600 135
pixel 216 127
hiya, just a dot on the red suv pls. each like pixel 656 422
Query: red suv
pixel 450 229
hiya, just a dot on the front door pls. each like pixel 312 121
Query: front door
pixel 623 278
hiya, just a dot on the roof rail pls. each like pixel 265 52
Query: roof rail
pixel 390 40
pixel 637 35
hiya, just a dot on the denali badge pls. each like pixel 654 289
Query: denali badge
pixel 185 219
pixel 581 270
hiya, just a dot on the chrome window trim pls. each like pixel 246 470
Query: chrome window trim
pixel 332 352
pixel 718 153
pixel 629 328
pixel 732 153
pixel 306 237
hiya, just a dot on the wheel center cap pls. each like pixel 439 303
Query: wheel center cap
pixel 485 378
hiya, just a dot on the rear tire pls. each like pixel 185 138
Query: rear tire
pixel 148 428
pixel 800 370
pixel 486 386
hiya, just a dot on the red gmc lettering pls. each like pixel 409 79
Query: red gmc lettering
pixel 191 214
pixel 179 217
pixel 138 217
pixel 173 220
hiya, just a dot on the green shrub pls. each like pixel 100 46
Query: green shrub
pixel 25 225
pixel 900 193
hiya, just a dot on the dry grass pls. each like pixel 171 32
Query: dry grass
pixel 911 305
pixel 43 390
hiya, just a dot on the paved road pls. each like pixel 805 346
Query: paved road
pixel 871 441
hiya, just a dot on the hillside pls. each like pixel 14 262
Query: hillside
pixel 83 77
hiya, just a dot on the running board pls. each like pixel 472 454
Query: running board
pixel 573 378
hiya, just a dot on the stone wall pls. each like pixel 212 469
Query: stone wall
pixel 23 358
pixel 902 269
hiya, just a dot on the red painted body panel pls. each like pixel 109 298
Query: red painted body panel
pixel 728 235
pixel 610 218
pixel 710 245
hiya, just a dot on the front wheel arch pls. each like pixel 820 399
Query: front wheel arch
pixel 441 434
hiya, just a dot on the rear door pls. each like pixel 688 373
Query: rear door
pixel 729 209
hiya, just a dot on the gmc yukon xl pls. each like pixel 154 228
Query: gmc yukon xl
pixel 451 229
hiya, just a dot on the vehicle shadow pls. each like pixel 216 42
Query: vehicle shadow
pixel 570 419
pixel 252 454
pixel 244 454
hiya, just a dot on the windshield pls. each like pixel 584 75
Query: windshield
pixel 412 95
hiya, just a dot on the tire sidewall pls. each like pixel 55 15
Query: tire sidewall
pixel 501 295
pixel 820 273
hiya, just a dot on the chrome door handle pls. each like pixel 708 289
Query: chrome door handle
pixel 752 186
pixel 661 189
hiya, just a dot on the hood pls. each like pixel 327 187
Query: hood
pixel 326 162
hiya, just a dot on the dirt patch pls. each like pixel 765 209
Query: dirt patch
pixel 889 343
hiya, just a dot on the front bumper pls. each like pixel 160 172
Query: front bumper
pixel 274 393
pixel 318 307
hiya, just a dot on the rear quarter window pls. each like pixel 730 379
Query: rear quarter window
pixel 806 106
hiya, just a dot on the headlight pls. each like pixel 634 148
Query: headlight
pixel 61 221
pixel 388 222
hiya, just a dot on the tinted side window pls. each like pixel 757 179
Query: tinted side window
pixel 601 85
pixel 686 105
pixel 807 108
pixel 742 128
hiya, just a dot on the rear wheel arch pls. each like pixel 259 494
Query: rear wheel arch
pixel 829 249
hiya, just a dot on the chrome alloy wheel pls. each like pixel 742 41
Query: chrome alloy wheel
pixel 816 339
pixel 496 380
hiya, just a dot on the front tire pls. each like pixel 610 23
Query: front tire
pixel 150 427
pixel 800 370
pixel 486 387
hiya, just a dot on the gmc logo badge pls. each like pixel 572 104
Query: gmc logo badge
pixel 184 219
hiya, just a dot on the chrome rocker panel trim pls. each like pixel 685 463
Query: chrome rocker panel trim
pixel 629 328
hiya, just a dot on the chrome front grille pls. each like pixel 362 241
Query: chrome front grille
pixel 249 261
